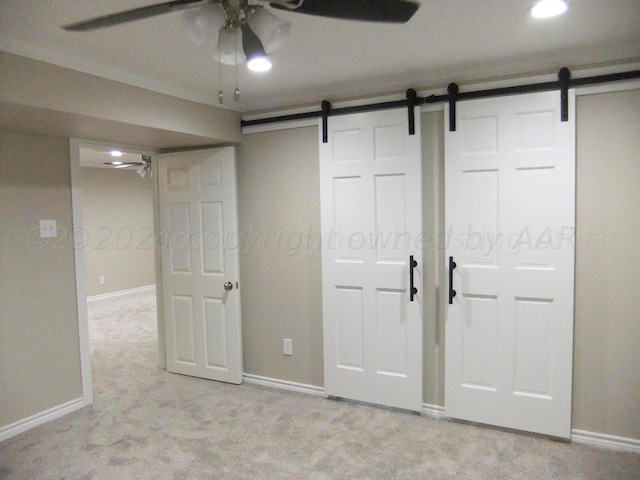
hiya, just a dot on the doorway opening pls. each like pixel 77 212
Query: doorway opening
pixel 114 218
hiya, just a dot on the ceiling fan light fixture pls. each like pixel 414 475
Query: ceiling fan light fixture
pixel 115 153
pixel 549 8
pixel 272 31
pixel 203 23
pixel 225 51
pixel 257 59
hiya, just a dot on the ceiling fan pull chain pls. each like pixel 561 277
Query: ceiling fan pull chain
pixel 237 92
pixel 220 92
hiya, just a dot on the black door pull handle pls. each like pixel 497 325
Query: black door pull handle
pixel 452 292
pixel 412 290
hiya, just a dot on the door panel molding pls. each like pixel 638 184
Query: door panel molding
pixel 198 223
pixel 371 209
pixel 510 213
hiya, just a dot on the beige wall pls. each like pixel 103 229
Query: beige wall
pixel 279 205
pixel 39 349
pixel 434 307
pixel 65 102
pixel 278 193
pixel 279 199
pixel 39 346
pixel 607 314
pixel 117 217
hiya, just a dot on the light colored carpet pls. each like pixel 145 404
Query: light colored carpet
pixel 150 424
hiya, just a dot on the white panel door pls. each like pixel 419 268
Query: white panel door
pixel 371 221
pixel 199 255
pixel 510 215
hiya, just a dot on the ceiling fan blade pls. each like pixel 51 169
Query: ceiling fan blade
pixel 125 164
pixel 130 15
pixel 388 11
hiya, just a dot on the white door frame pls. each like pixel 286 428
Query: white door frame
pixel 80 272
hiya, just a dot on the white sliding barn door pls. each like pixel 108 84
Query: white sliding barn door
pixel 510 215
pixel 199 257
pixel 371 219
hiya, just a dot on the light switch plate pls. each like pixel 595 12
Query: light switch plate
pixel 48 229
pixel 287 346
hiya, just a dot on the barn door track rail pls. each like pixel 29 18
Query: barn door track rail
pixel 454 95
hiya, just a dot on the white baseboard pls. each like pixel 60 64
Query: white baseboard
pixel 603 440
pixel 583 437
pixel 120 293
pixel 33 421
pixel 283 384
pixel 429 410
pixel 435 411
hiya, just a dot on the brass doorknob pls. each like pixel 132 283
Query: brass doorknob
pixel 228 286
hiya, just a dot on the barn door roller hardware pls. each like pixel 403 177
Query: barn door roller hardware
pixel 564 76
pixel 412 101
pixel 564 83
pixel 326 108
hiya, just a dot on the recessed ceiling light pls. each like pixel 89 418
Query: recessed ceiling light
pixel 115 153
pixel 549 8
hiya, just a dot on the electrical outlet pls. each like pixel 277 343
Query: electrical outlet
pixel 287 346
pixel 48 229
pixel 101 279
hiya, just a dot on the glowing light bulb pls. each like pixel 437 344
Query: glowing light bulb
pixel 259 64
pixel 549 8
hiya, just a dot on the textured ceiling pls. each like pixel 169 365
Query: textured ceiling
pixel 447 40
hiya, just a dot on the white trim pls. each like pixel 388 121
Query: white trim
pixel 434 411
pixel 157 258
pixel 583 437
pixel 313 122
pixel 81 281
pixel 425 92
pixel 120 293
pixel 272 127
pixel 79 258
pixel 283 384
pixel 314 108
pixel 603 440
pixel 46 416
pixel 608 87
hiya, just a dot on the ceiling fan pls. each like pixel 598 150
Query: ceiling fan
pixel 238 11
pixel 235 31
pixel 145 163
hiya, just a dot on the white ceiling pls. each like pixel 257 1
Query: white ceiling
pixel 447 40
